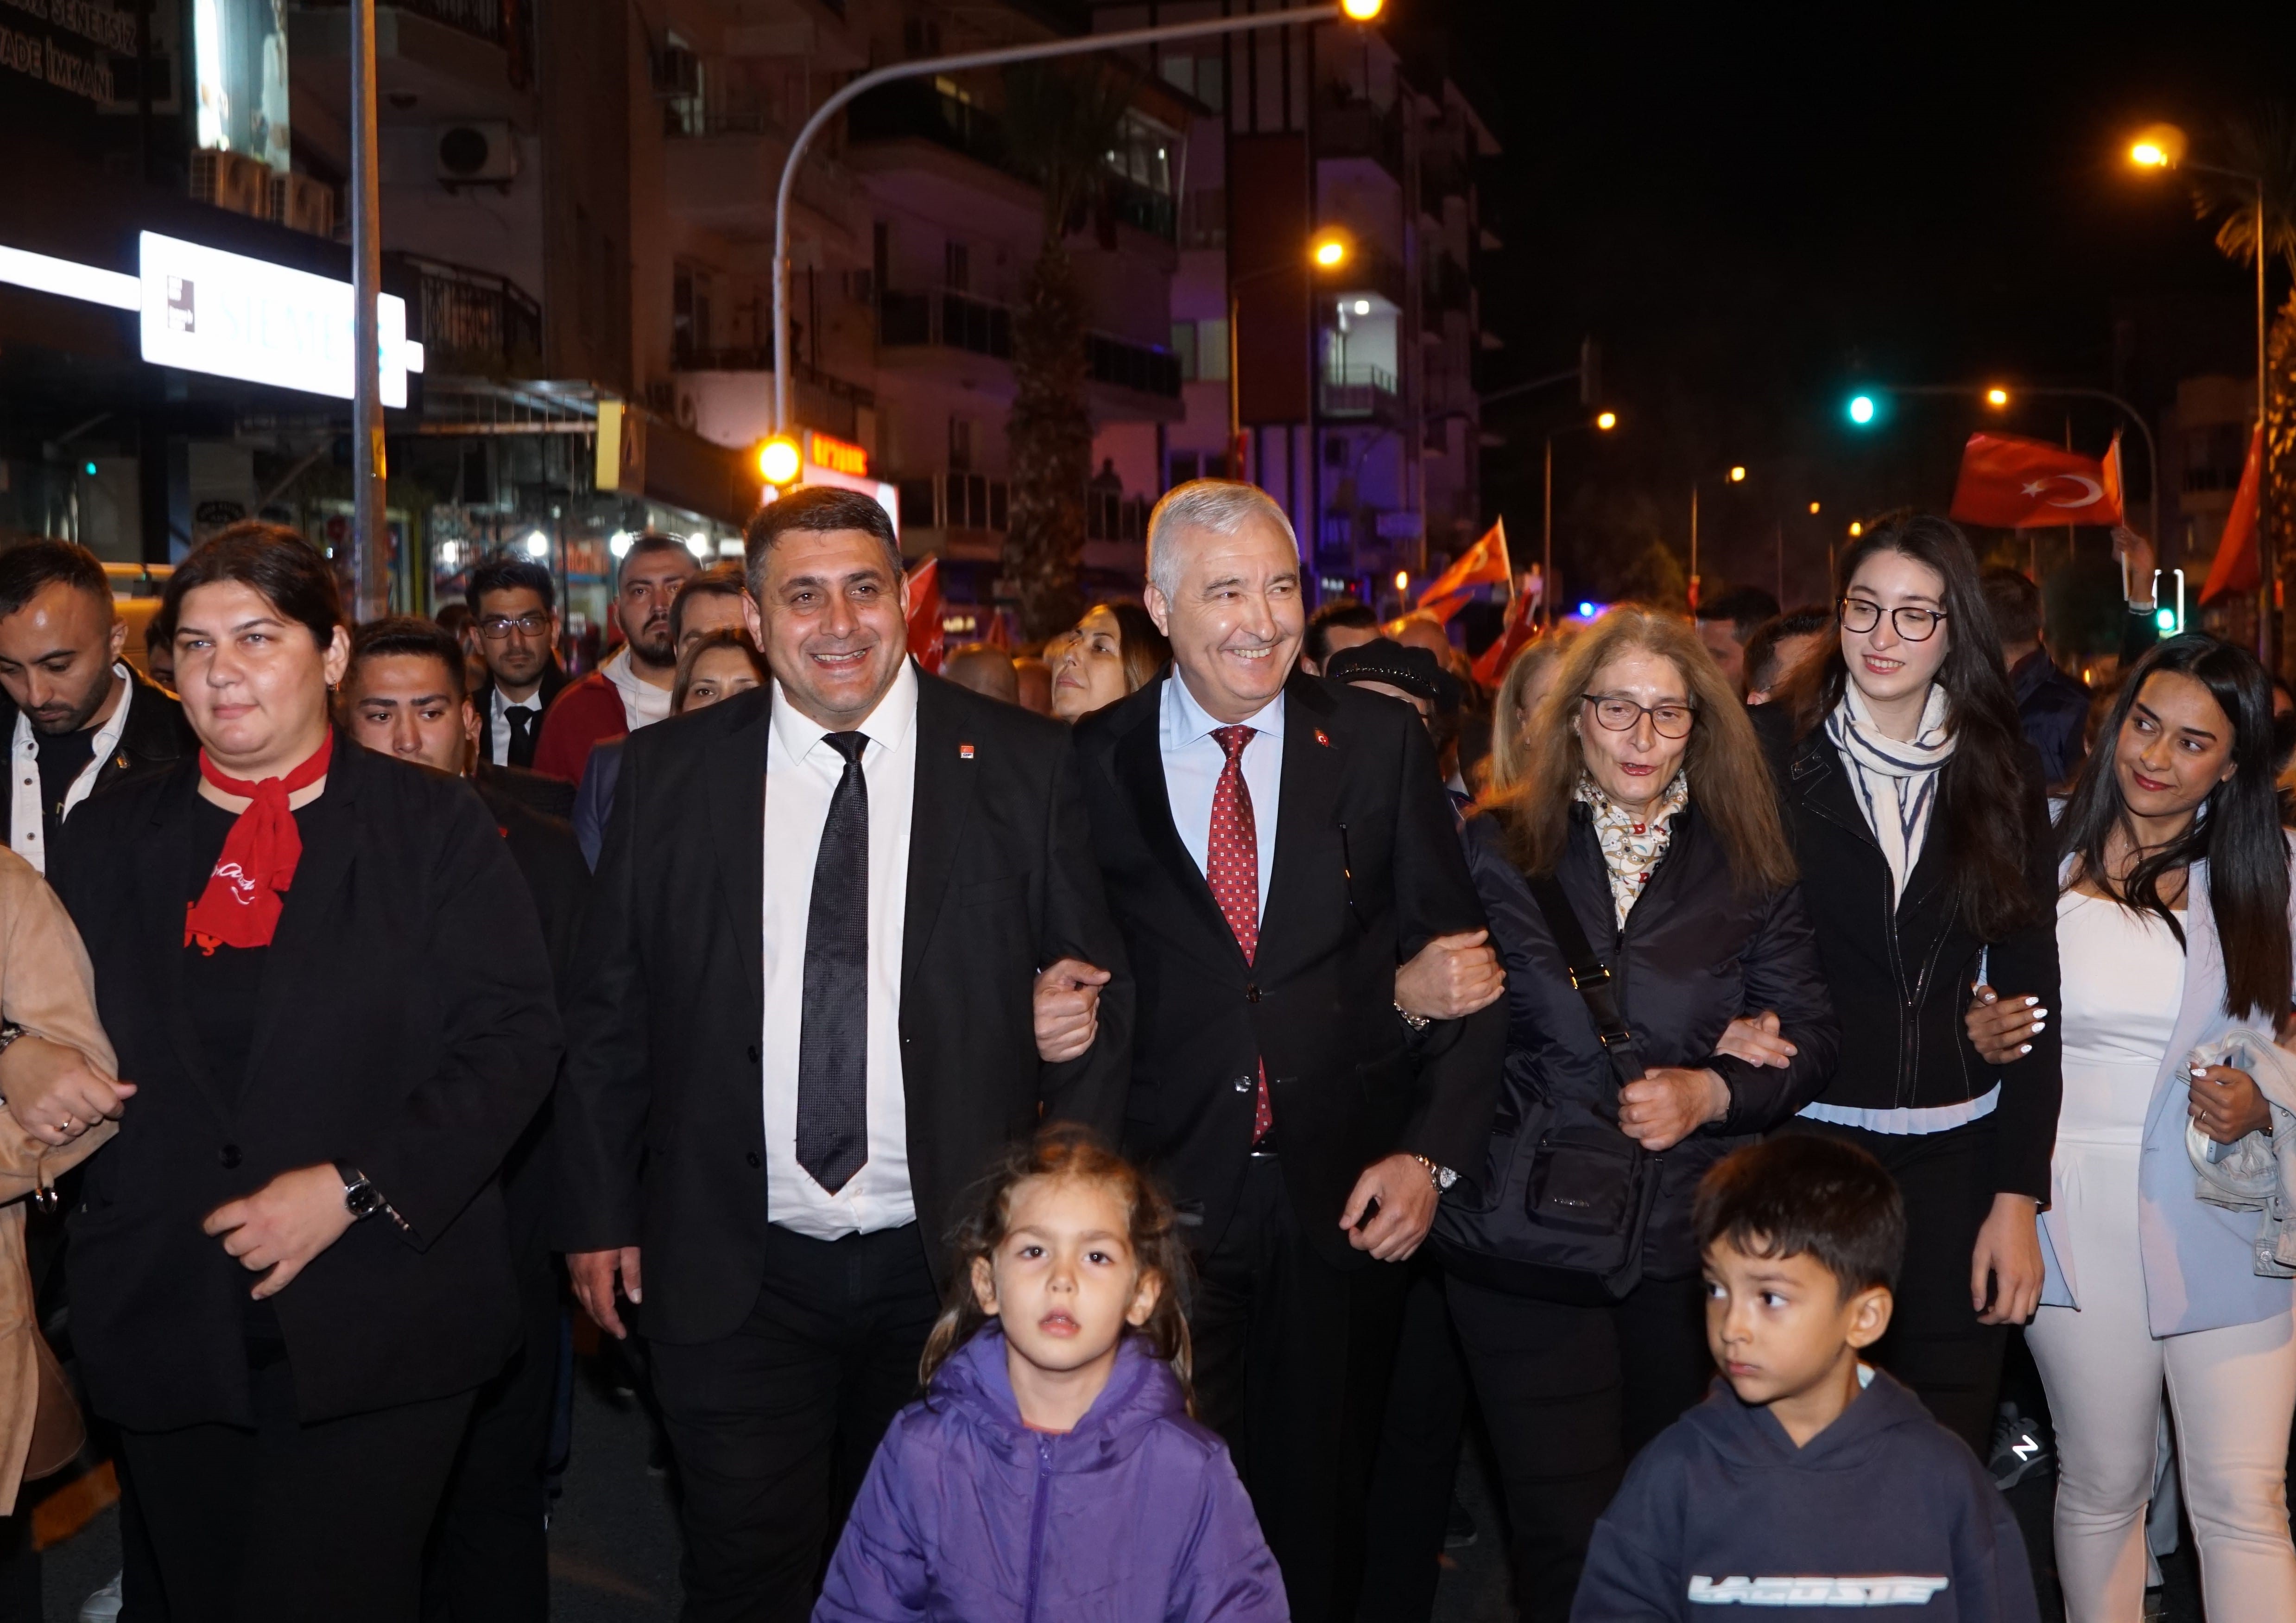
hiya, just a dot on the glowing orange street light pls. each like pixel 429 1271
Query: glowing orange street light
pixel 1330 250
pixel 1856 529
pixel 1607 420
pixel 2158 146
pixel 779 461
pixel 1813 510
pixel 1402 580
pixel 1737 476
pixel 1361 11
pixel 1996 398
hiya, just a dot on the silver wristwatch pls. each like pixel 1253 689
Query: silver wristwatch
pixel 1417 1022
pixel 1442 1177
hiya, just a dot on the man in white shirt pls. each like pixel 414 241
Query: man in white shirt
pixel 841 950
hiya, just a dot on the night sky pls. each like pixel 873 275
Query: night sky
pixel 1756 208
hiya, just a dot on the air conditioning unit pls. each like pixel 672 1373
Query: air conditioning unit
pixel 477 154
pixel 303 202
pixel 233 181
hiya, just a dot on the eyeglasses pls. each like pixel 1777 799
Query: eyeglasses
pixel 1913 625
pixel 495 627
pixel 1620 715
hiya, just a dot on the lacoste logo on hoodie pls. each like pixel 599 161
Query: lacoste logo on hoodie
pixel 1812 1591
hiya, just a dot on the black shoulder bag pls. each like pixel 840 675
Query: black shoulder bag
pixel 1572 1192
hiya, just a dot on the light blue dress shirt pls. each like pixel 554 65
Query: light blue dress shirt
pixel 1193 761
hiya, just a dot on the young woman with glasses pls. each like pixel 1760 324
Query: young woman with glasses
pixel 1645 800
pixel 1919 823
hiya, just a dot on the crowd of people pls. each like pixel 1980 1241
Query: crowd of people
pixel 1088 1135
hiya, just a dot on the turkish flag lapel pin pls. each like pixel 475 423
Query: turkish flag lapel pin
pixel 964 752
pixel 1322 738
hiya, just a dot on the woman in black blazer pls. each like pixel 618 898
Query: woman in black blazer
pixel 1918 817
pixel 1645 800
pixel 290 1270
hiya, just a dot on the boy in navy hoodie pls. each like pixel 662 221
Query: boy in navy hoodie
pixel 1808 1485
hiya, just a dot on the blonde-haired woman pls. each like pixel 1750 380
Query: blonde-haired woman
pixel 1528 679
pixel 1643 816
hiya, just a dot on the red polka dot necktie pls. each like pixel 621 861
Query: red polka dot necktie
pixel 1232 864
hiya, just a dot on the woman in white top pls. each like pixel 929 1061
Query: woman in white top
pixel 2172 930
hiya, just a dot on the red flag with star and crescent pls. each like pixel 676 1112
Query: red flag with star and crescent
pixel 1485 563
pixel 2015 483
pixel 924 613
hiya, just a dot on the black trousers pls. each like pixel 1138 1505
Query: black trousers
pixel 294 1520
pixel 489 1557
pixel 1571 1394
pixel 1293 1357
pixel 1935 1344
pixel 773 1427
pixel 1416 1474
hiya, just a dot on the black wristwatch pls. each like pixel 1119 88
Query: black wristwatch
pixel 361 1199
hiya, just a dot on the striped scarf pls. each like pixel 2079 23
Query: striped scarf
pixel 1895 779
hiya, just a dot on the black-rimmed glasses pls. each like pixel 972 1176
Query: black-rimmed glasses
pixel 495 627
pixel 1915 625
pixel 1620 715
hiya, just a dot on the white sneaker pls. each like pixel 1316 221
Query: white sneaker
pixel 103 1606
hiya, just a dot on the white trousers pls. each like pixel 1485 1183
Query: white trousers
pixel 2231 1394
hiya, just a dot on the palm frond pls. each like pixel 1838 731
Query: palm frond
pixel 2261 142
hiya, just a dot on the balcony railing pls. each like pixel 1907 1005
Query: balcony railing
pixel 1347 128
pixel 473 322
pixel 941 317
pixel 507 23
pixel 954 501
pixel 1358 392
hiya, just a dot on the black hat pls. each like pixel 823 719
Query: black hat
pixel 1415 670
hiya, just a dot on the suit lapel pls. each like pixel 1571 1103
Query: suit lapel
pixel 1139 762
pixel 734 784
pixel 940 802
pixel 163 861
pixel 1308 801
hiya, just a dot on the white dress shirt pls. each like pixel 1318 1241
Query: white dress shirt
pixel 498 722
pixel 1193 761
pixel 27 823
pixel 801 774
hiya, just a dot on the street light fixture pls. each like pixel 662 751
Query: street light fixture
pixel 1124 39
pixel 1331 249
pixel 1737 476
pixel 1813 510
pixel 2162 146
pixel 1996 398
pixel 1855 529
pixel 1861 410
pixel 779 461
pixel 1328 250
pixel 1605 422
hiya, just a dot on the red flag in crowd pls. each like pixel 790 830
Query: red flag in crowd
pixel 2236 569
pixel 924 614
pixel 1485 563
pixel 1490 665
pixel 2018 484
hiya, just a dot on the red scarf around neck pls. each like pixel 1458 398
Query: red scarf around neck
pixel 241 906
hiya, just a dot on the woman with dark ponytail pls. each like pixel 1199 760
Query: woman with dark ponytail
pixel 1918 820
pixel 2173 928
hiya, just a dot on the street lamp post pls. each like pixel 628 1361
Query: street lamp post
pixel 2162 147
pixel 1603 422
pixel 784 386
pixel 1737 477
pixel 370 541
pixel 1329 251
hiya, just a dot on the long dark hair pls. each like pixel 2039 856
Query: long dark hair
pixel 2236 830
pixel 1980 810
pixel 1062 1152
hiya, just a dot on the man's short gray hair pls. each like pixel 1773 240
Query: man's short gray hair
pixel 1221 506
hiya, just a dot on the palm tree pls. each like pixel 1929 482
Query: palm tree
pixel 1060 120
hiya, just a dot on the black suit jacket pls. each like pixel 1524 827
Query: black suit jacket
pixel 660 1126
pixel 555 681
pixel 1367 868
pixel 406 1027
pixel 156 737
pixel 552 798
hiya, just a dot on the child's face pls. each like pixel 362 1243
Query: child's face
pixel 1065 1282
pixel 1779 1326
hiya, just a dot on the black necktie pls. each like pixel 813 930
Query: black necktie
pixel 521 721
pixel 833 1050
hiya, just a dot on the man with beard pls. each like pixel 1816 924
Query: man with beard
pixel 80 717
pixel 403 696
pixel 631 690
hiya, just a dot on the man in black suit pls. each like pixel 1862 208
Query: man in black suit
pixel 840 952
pixel 1274 846
pixel 514 622
pixel 79 716
pixel 402 696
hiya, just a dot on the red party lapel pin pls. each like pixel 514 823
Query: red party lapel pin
pixel 964 752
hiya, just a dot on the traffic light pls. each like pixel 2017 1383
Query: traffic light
pixel 1864 409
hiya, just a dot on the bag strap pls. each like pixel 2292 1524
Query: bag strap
pixel 1590 978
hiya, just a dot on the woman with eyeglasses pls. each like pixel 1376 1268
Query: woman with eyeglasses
pixel 1918 819
pixel 1644 822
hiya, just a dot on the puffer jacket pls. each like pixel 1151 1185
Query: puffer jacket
pixel 1695 954
pixel 967 1516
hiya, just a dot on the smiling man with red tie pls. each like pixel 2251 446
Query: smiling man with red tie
pixel 1275 845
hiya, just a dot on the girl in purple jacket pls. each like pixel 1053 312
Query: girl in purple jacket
pixel 1053 1472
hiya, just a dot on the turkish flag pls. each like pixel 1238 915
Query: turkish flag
pixel 2236 569
pixel 1490 665
pixel 924 614
pixel 1485 563
pixel 2021 484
